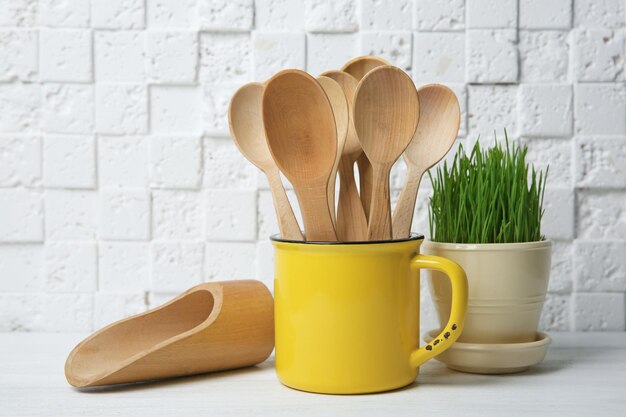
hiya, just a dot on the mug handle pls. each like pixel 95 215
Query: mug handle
pixel 452 330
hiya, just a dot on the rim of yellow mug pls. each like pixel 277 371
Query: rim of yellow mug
pixel 413 236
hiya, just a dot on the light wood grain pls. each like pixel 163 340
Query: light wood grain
pixel 386 113
pixel 302 138
pixel 440 118
pixel 358 68
pixel 351 219
pixel 245 120
pixel 211 327
pixel 339 106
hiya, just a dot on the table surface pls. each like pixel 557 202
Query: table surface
pixel 583 374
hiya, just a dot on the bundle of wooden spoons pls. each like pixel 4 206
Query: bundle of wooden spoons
pixel 314 129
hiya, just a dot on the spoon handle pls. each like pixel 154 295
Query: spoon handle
pixel 365 182
pixel 287 223
pixel 403 213
pixel 379 226
pixel 331 194
pixel 351 220
pixel 318 224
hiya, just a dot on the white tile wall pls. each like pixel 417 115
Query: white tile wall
pixel 119 186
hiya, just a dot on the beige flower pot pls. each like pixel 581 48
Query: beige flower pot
pixel 507 288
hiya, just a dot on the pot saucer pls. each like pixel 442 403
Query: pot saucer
pixel 496 358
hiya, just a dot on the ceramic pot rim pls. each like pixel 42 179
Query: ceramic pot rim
pixel 492 247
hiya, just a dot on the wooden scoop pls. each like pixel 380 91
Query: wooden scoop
pixel 351 219
pixel 340 110
pixel 246 127
pixel 386 113
pixel 358 68
pixel 440 117
pixel 212 327
pixel 302 137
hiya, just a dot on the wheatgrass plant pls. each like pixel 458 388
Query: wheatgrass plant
pixel 489 196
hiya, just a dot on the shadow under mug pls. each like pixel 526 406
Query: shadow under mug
pixel 347 314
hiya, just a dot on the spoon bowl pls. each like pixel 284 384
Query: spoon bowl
pixel 359 67
pixel 299 125
pixel 246 125
pixel 440 118
pixel 386 111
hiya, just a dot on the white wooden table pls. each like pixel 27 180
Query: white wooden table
pixel 583 375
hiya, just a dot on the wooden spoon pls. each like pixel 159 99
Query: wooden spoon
pixel 339 105
pixel 385 114
pixel 440 117
pixel 351 220
pixel 246 127
pixel 358 67
pixel 302 138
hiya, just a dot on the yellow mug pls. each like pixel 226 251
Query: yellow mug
pixel 347 314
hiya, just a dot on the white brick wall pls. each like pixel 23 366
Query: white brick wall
pixel 119 186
